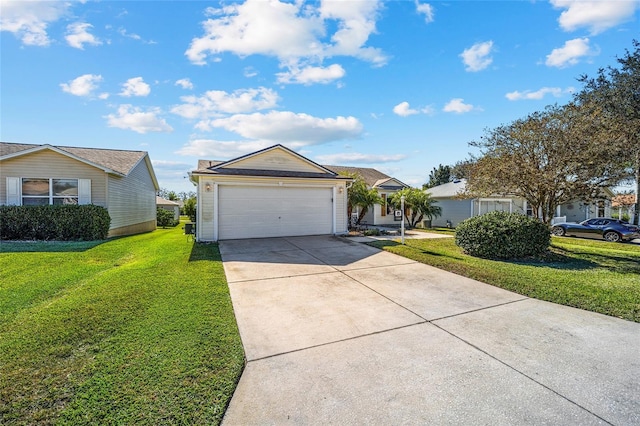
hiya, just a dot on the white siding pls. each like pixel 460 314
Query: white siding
pixel 132 199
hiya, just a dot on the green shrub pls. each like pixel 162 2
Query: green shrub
pixel 60 223
pixel 502 235
pixel 165 218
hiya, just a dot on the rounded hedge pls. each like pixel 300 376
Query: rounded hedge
pixel 54 222
pixel 502 235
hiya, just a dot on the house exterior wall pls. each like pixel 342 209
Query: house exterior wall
pixel 49 164
pixel 578 211
pixel 206 220
pixel 132 202
pixel 453 210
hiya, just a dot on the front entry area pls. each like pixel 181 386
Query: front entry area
pixel 274 211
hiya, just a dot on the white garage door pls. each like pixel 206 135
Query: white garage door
pixel 268 211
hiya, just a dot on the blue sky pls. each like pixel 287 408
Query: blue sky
pixel 400 86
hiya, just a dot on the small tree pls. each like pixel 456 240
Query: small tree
pixel 417 204
pixel 438 176
pixel 164 218
pixel 189 208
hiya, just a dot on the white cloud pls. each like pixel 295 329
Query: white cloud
pixel 288 127
pixel 133 118
pixel 356 21
pixel 426 9
pixel 570 53
pixel 250 72
pixel 28 20
pixel 538 94
pixel 310 75
pixel 293 32
pixel 83 85
pixel 215 103
pixel 221 150
pixel 78 35
pixel 358 158
pixel 403 109
pixel 185 83
pixel 597 16
pixel 477 57
pixel 458 106
pixel 135 87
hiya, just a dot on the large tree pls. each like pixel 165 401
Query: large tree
pixel 614 97
pixel 417 205
pixel 548 158
pixel 438 176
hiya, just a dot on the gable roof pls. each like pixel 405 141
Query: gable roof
pixel 448 190
pixel 110 160
pixel 164 202
pixel 237 166
pixel 372 177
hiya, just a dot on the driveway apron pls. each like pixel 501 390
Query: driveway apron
pixel 337 332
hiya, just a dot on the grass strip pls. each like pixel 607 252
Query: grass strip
pixel 592 275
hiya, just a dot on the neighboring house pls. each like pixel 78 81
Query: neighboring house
pixel 624 205
pixel 379 214
pixel 172 206
pixel 273 192
pixel 457 207
pixel 121 181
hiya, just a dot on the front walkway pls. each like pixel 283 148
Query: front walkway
pixel 337 332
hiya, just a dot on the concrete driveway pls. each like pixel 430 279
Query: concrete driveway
pixel 337 332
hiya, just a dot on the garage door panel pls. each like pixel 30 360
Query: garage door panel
pixel 260 212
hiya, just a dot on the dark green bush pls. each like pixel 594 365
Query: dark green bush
pixel 164 218
pixel 60 223
pixel 502 235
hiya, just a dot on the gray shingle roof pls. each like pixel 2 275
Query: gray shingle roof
pixel 370 176
pixel 120 161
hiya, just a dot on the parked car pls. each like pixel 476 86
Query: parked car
pixel 613 230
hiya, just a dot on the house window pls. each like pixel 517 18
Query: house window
pixel 383 210
pixel 38 191
pixel 601 212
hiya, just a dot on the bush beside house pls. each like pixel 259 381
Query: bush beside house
pixel 54 222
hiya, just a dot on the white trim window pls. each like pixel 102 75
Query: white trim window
pixel 48 191
pixel 486 205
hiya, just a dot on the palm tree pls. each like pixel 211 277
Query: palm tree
pixel 360 196
pixel 416 202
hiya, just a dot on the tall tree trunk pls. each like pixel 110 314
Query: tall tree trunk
pixel 636 211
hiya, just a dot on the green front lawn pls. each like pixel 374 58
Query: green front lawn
pixel 587 274
pixel 132 330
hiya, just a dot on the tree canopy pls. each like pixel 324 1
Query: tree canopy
pixel 566 152
pixel 438 176
pixel 547 158
pixel 614 97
